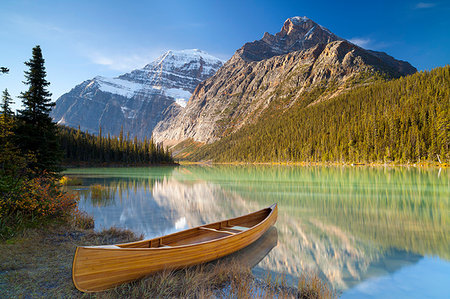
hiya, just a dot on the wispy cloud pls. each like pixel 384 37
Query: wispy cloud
pixel 34 26
pixel 361 41
pixel 122 61
pixel 422 5
pixel 369 43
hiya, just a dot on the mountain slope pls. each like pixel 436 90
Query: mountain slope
pixel 137 100
pixel 403 120
pixel 303 58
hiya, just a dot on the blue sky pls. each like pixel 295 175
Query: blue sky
pixel 81 39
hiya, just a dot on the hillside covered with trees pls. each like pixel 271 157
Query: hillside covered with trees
pixel 81 147
pixel 403 120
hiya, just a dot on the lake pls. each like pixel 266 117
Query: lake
pixel 371 232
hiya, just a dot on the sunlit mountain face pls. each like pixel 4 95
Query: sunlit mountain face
pixel 352 226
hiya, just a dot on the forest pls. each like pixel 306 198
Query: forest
pixel 34 151
pixel 405 120
pixel 79 147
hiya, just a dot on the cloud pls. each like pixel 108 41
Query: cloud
pixel 122 61
pixel 361 41
pixel 27 24
pixel 369 43
pixel 422 5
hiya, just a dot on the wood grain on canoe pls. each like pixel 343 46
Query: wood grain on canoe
pixel 97 268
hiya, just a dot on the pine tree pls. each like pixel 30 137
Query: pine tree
pixel 11 162
pixel 6 120
pixel 36 133
pixel 6 102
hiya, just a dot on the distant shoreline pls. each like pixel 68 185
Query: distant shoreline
pixel 355 164
pixel 106 164
pixel 306 164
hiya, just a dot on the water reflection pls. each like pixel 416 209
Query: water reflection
pixel 348 224
pixel 253 254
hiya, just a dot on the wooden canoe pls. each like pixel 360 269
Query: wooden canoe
pixel 98 268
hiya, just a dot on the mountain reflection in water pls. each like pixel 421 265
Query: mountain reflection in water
pixel 347 224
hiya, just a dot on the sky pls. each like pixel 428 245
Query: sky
pixel 83 39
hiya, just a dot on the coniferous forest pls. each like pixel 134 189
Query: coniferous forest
pixel 33 149
pixel 84 147
pixel 403 120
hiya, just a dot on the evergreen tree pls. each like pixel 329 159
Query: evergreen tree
pixel 36 133
pixel 6 124
pixel 11 162
pixel 6 102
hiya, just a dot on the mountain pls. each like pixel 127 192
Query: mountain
pixel 138 100
pixel 303 64
pixel 404 120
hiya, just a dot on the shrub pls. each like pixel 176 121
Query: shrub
pixel 25 200
pixel 81 219
pixel 66 181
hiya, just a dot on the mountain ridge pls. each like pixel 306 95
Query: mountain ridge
pixel 256 75
pixel 136 101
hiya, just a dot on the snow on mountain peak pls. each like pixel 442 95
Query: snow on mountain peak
pixel 118 86
pixel 175 74
pixel 298 20
pixel 180 58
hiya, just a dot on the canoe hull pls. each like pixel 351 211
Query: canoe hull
pixel 97 269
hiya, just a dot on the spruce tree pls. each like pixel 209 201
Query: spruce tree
pixel 36 132
pixel 11 162
pixel 6 102
pixel 6 121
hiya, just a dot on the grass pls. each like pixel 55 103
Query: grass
pixel 101 195
pixel 38 263
pixel 226 278
pixel 68 181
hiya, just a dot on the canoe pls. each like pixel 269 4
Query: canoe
pixel 98 268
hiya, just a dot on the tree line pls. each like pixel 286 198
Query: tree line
pixel 80 146
pixel 403 120
pixel 32 135
pixel 33 149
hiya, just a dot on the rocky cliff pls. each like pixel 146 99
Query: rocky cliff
pixel 138 100
pixel 303 58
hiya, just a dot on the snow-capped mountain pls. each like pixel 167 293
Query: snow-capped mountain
pixel 297 33
pixel 300 59
pixel 138 100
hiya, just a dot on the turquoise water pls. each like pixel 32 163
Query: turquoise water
pixel 369 232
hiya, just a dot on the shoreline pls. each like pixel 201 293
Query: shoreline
pixel 302 164
pixel 114 165
pixel 48 270
pixel 324 164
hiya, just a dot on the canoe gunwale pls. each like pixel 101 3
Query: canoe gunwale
pixel 168 247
